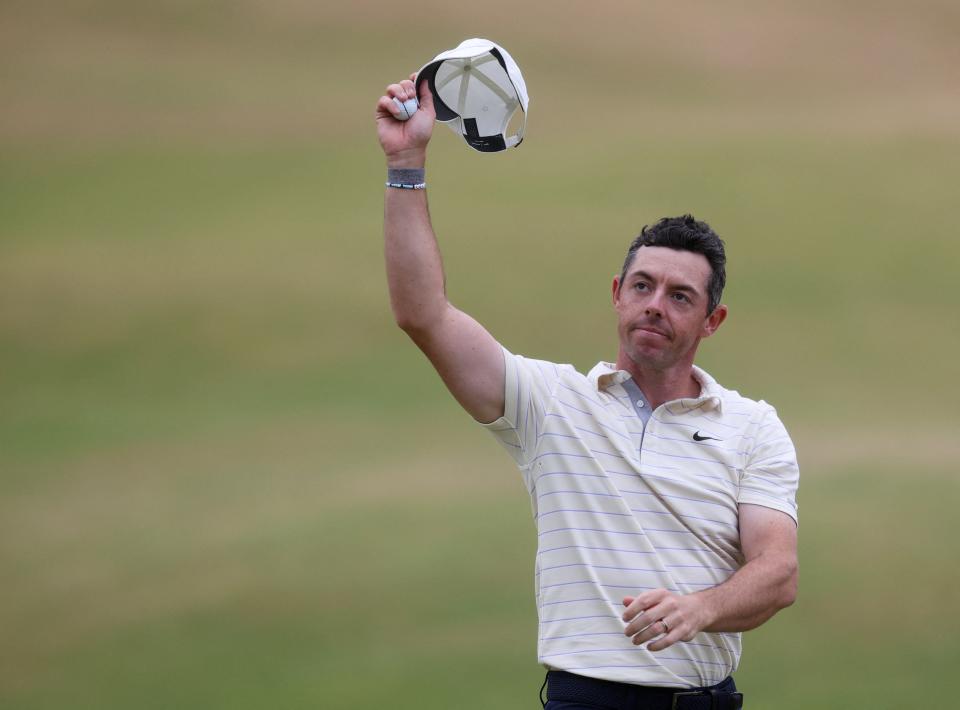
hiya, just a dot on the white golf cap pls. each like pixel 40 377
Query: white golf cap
pixel 476 89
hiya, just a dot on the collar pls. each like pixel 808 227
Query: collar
pixel 605 375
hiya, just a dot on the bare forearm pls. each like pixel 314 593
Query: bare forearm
pixel 756 592
pixel 414 267
pixel 764 585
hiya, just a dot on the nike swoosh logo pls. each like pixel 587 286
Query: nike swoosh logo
pixel 697 437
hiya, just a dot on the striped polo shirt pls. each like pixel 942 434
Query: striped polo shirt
pixel 623 505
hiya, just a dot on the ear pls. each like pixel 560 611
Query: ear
pixel 615 290
pixel 713 321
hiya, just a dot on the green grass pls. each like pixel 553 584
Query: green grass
pixel 227 480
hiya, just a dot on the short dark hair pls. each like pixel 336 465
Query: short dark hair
pixel 685 234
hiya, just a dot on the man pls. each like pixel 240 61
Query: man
pixel 665 504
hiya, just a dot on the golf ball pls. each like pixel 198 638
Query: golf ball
pixel 405 109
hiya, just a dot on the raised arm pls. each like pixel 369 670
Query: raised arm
pixel 465 355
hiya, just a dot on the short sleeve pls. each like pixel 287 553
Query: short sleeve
pixel 771 475
pixel 528 386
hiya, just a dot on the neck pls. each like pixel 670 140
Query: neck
pixel 662 385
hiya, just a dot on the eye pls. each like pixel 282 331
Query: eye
pixel 682 297
pixel 640 286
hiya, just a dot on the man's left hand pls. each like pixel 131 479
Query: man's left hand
pixel 672 617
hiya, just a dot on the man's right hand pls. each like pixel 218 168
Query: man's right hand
pixel 404 143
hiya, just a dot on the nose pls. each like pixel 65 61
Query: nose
pixel 653 308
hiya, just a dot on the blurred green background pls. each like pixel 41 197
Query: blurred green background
pixel 228 481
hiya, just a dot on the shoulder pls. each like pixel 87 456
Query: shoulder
pixel 731 398
pixel 738 409
pixel 545 369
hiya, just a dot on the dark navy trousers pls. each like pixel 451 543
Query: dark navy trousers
pixel 566 691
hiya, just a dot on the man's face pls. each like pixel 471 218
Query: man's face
pixel 662 307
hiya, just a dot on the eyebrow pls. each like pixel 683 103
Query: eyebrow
pixel 641 274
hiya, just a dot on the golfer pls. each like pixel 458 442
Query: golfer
pixel 664 503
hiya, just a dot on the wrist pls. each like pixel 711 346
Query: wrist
pixel 706 609
pixel 407 178
pixel 414 158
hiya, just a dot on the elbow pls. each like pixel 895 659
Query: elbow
pixel 407 317
pixel 406 322
pixel 787 597
pixel 414 325
pixel 417 320
pixel 790 586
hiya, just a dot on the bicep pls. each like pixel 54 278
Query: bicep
pixel 767 532
pixel 469 361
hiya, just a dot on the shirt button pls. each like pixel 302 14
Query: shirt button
pixel 640 403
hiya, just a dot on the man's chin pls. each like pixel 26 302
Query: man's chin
pixel 649 358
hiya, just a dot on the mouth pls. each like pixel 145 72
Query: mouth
pixel 651 330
